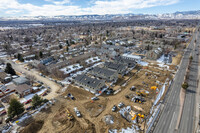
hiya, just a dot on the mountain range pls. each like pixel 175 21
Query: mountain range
pixel 113 17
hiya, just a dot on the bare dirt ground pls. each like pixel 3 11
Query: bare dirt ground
pixel 176 60
pixel 94 112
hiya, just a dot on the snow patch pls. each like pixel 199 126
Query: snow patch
pixel 143 63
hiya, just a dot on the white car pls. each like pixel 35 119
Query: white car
pixel 78 113
pixel 120 105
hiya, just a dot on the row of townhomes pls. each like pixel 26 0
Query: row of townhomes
pixel 99 77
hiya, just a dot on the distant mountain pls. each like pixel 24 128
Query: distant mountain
pixel 189 12
pixel 113 17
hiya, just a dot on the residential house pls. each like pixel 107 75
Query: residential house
pixel 21 80
pixel 132 57
pixel 58 65
pixel 47 61
pixel 92 60
pixel 29 57
pixel 154 54
pixel 7 89
pixel 4 78
pixel 129 61
pixel 119 67
pixel 23 90
pixel 72 69
pixel 92 85
pixel 104 73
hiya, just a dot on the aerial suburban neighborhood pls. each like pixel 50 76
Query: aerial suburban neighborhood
pixel 100 74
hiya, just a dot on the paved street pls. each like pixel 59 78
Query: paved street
pixel 187 124
pixel 169 116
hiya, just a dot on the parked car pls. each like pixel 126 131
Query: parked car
pixel 78 113
pixel 44 94
pixel 95 98
pixel 3 113
pixel 120 105
pixel 40 82
pixel 133 88
pixel 71 96
pixel 127 96
pixel 28 101
pixel 41 87
pixel 29 107
pixel 114 108
pixel 109 92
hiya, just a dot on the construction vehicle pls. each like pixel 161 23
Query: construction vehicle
pixel 153 87
pixel 135 115
pixel 69 115
pixel 142 93
pixel 138 99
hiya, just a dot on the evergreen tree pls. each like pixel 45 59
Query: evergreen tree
pixel 36 100
pixel 9 69
pixel 15 108
pixel 40 54
pixel 20 57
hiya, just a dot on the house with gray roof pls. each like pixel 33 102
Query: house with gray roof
pixel 154 54
pixel 92 85
pixel 130 62
pixel 104 73
pixel 121 68
pixel 21 80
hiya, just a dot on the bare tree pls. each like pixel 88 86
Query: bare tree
pixel 31 78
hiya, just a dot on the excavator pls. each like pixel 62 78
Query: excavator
pixel 138 99
pixel 134 115
pixel 69 115
pixel 142 93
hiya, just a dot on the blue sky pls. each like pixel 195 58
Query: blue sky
pixel 15 8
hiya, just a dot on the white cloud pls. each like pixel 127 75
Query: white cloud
pixel 59 2
pixel 97 7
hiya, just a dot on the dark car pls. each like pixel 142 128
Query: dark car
pixel 72 97
pixel 44 94
pixel 40 82
pixel 114 108
pixel 132 88
pixel 109 92
pixel 29 108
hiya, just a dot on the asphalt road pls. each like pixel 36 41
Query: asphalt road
pixel 187 121
pixel 168 119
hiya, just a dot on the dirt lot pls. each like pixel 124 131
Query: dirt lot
pixel 176 60
pixel 93 112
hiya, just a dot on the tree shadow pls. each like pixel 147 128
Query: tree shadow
pixel 190 91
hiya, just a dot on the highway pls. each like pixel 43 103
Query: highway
pixel 168 119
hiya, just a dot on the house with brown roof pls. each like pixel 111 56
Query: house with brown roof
pixel 23 90
pixel 7 89
pixel 4 78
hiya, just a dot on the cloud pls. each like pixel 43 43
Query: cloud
pixel 96 7
pixel 58 2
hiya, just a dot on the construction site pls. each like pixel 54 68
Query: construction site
pixel 128 108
